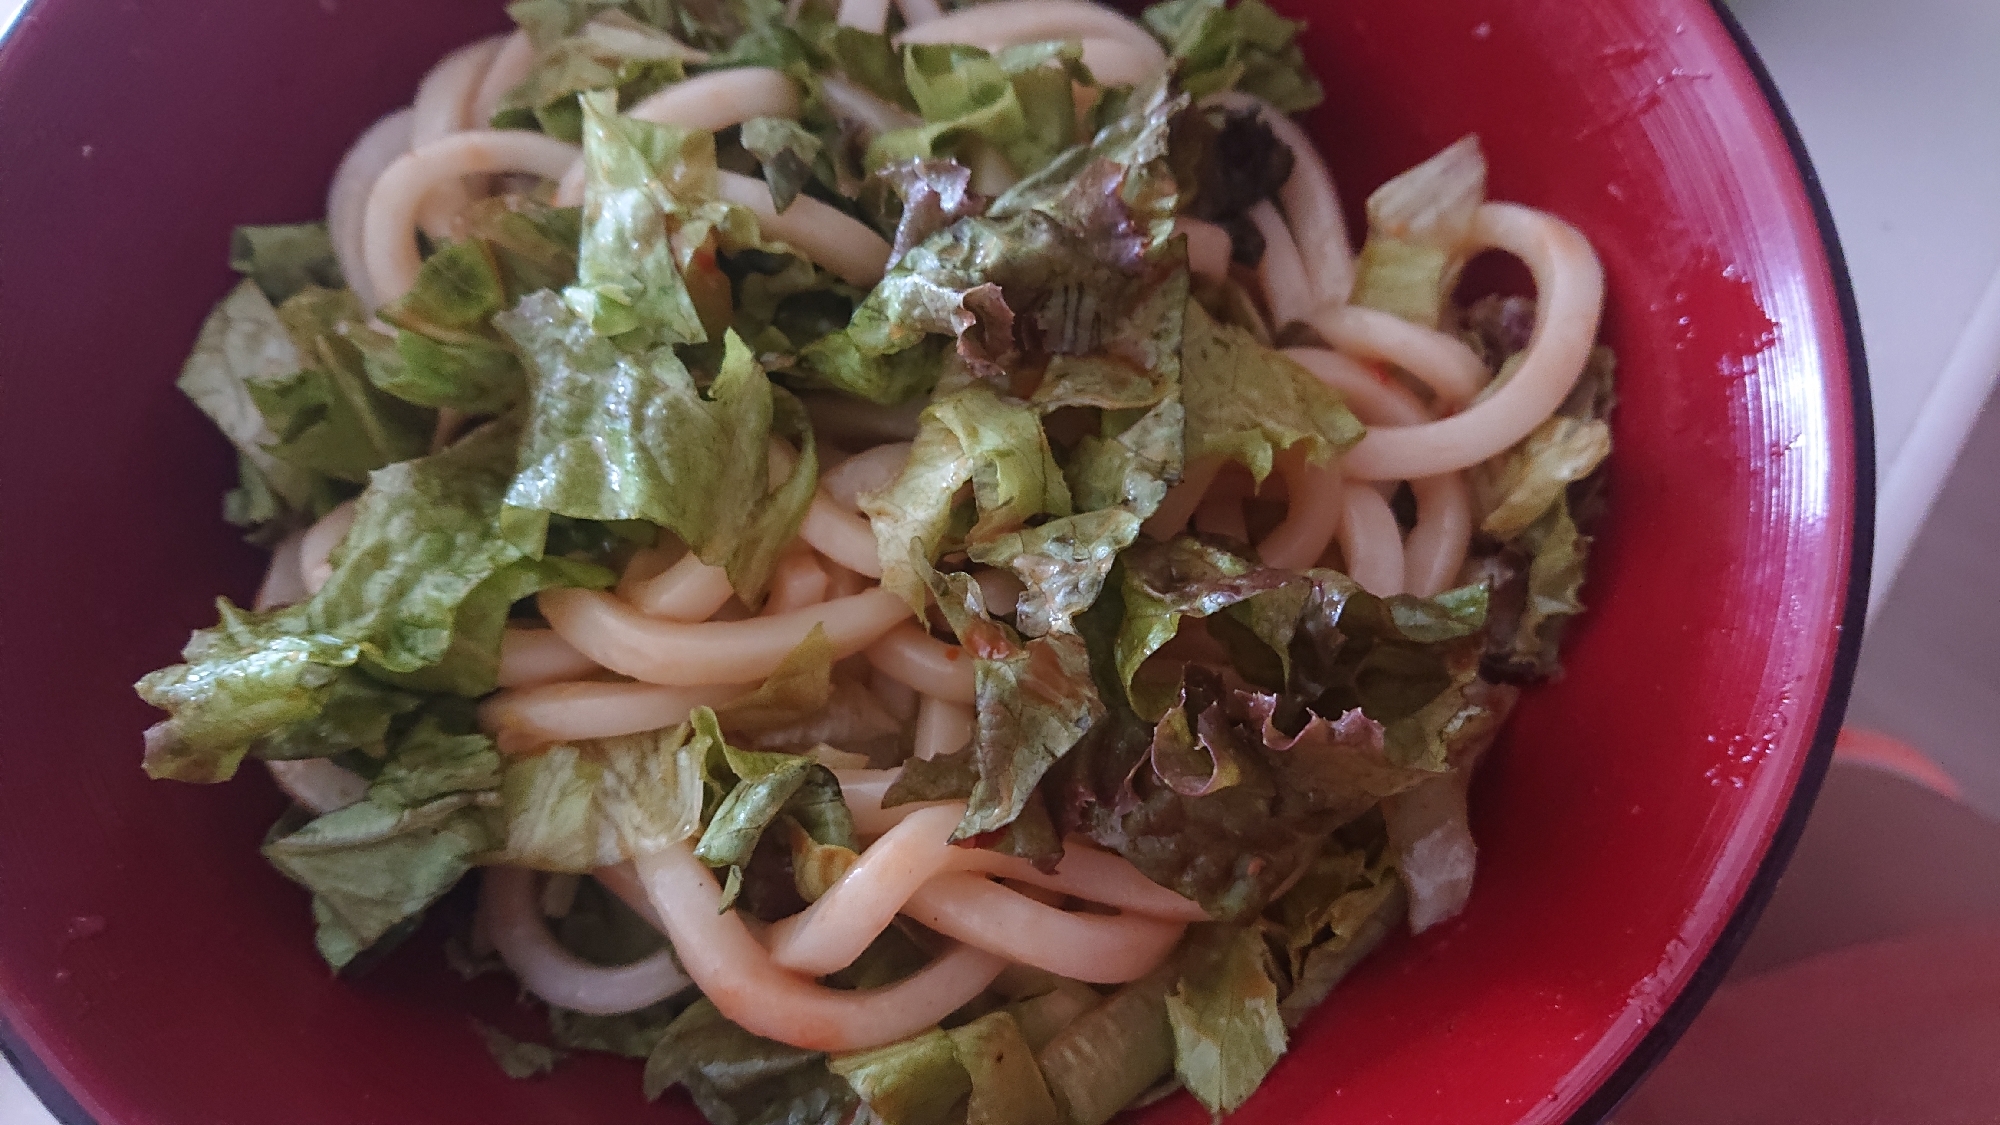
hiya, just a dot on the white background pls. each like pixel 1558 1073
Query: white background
pixel 1897 104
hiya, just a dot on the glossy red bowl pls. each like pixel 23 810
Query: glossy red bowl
pixel 153 970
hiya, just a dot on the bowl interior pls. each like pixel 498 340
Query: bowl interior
pixel 161 973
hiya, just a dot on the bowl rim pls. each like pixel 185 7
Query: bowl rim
pixel 1708 975
pixel 1714 967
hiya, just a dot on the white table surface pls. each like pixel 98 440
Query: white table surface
pixel 1897 103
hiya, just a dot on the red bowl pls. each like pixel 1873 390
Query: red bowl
pixel 153 969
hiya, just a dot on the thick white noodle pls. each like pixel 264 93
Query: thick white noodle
pixel 868 471
pixel 895 873
pixel 443 106
pixel 1370 541
pixel 1435 549
pixel 711 101
pixel 529 657
pixel 523 720
pixel 1312 514
pixel 737 974
pixel 917 12
pixel 834 530
pixel 320 541
pixel 319 784
pixel 689 590
pixel 1209 247
pixel 1003 23
pixel 283 582
pixel 1311 203
pixel 862 789
pixel 832 239
pixel 1120 60
pixel 865 15
pixel 510 65
pixel 1097 948
pixel 1569 297
pixel 711 652
pixel 347 196
pixel 1443 363
pixel 511 918
pixel 1288 292
pixel 943 727
pixel 909 653
pixel 389 245
pixel 856 104
pixel 798 581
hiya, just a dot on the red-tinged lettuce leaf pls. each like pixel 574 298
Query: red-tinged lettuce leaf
pixel 1161 584
pixel 1224 1011
pixel 1235 162
pixel 1035 699
pixel 1246 47
pixel 737 1078
pixel 935 194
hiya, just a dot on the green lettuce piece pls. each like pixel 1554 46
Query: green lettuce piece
pixel 786 151
pixel 602 930
pixel 737 1078
pixel 517 1058
pixel 1248 402
pixel 1248 47
pixel 971 437
pixel 1112 1053
pixel 610 53
pixel 376 865
pixel 428 536
pixel 285 258
pixel 613 436
pixel 580 806
pixel 1533 476
pixel 1021 103
pixel 988 1064
pixel 638 178
pixel 327 417
pixel 1224 1012
pixel 1419 228
pixel 631 1035
pixel 243 343
pixel 796 690
pixel 1035 700
pixel 761 787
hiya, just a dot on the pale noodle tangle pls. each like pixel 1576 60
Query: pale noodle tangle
pixel 672 637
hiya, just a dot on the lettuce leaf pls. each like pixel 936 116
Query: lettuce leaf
pixel 375 866
pixel 1249 403
pixel 766 786
pixel 1236 162
pixel 429 536
pixel 786 151
pixel 242 342
pixel 973 437
pixel 1224 1012
pixel 580 806
pixel 1020 102
pixel 1419 226
pixel 610 52
pixel 1161 584
pixel 1248 47
pixel 327 417
pixel 1340 909
pixel 986 1064
pixel 1063 564
pixel 613 436
pixel 1035 700
pixel 517 1058
pixel 285 258
pixel 737 1078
